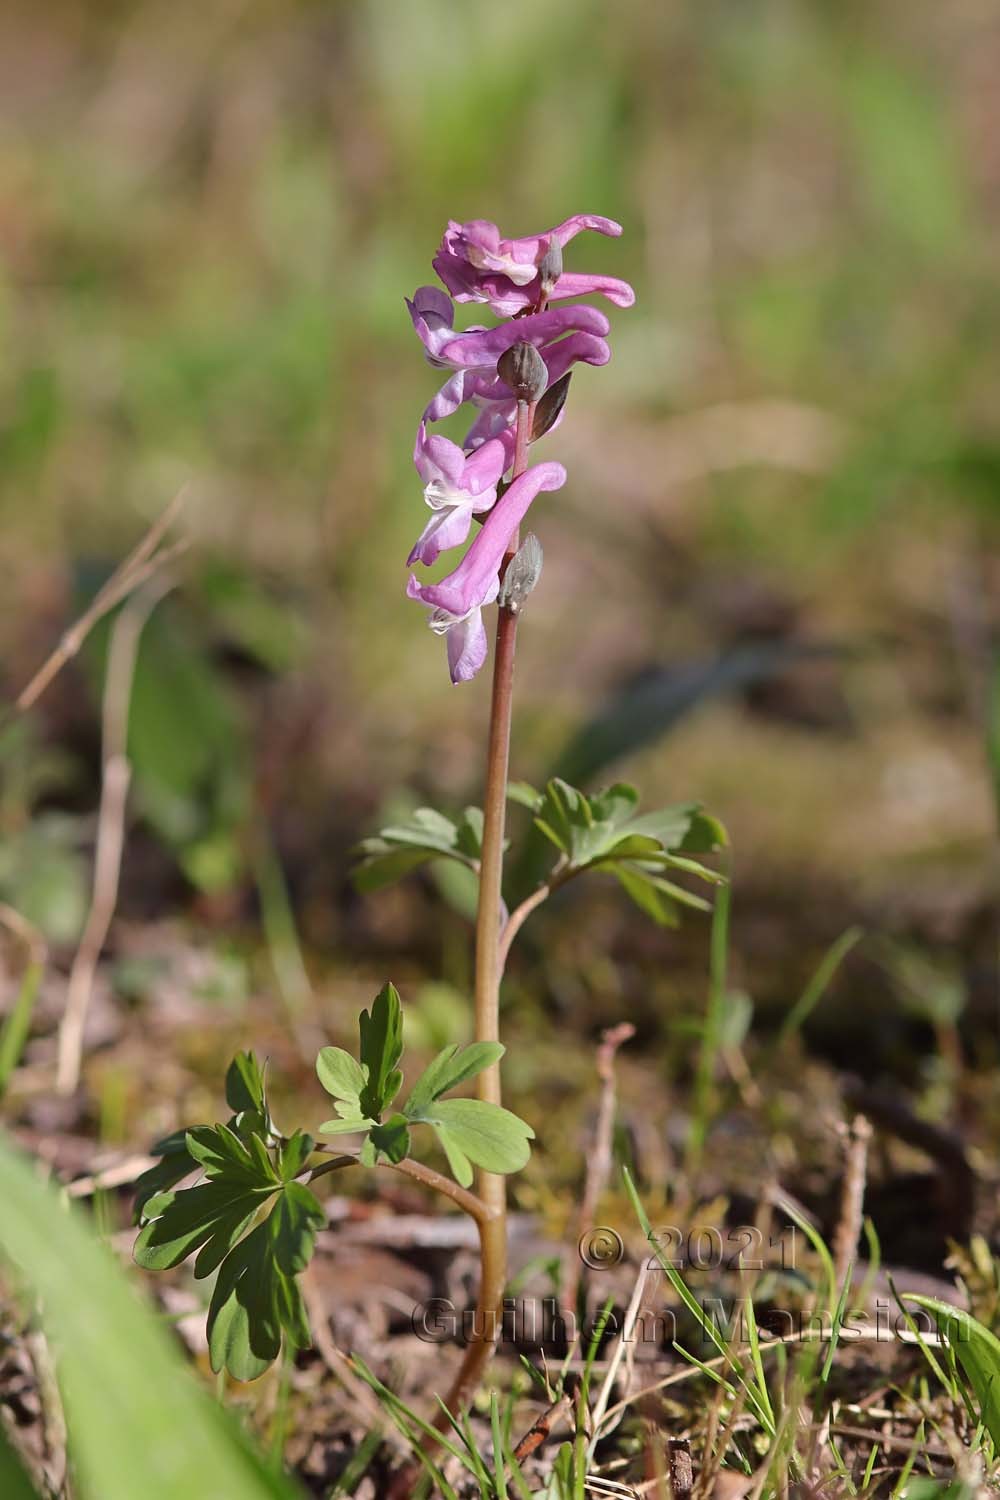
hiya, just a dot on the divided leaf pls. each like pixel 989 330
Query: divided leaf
pixel 256 1296
pixel 426 835
pixel 175 1162
pixel 256 1300
pixel 605 832
pixel 469 1130
pixel 473 1131
pixel 452 1066
pixel 211 1216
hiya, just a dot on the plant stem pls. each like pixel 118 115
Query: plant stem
pixel 521 913
pixel 426 1176
pixel 489 968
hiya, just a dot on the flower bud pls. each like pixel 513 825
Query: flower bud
pixel 522 368
pixel 523 572
pixel 550 268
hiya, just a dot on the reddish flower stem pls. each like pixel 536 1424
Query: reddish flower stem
pixel 489 969
pixel 492 1196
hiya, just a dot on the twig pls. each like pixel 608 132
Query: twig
pixel 117 774
pixel 681 1468
pixel 626 1342
pixel 540 1430
pixel 852 1198
pixel 141 563
pixel 122 1173
pixel 599 1160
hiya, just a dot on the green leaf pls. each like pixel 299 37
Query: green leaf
pixel 452 1066
pixel 472 1130
pixel 244 1332
pixel 425 836
pixel 294 1222
pixel 294 1154
pixel 705 834
pixel 245 1084
pixel 615 805
pixel 643 891
pixel 427 829
pixel 341 1075
pixel 211 1216
pixel 588 829
pixel 175 1162
pixel 208 1217
pixel 469 833
pixel 351 1126
pixel 392 1139
pixel 132 1406
pixel 381 1031
pixel 669 826
pixel 977 1351
pixel 382 867
pixel 525 794
pixel 256 1297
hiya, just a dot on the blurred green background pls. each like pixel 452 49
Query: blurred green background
pixel 784 497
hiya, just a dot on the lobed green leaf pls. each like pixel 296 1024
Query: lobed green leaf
pixel 452 1066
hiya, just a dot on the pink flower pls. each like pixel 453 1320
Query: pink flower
pixel 456 487
pixel 456 603
pixel 477 265
pixel 564 337
pixel 478 349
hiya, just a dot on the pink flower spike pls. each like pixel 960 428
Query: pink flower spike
pixel 456 602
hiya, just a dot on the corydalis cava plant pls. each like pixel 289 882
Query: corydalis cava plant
pixel 505 372
pixel 240 1196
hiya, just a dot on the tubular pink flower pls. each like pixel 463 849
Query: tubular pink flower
pixel 456 602
pixel 456 486
pixel 478 349
pixel 477 265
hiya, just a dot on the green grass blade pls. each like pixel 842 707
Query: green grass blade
pixel 358 1466
pixel 977 1350
pixel 499 1462
pixel 704 1085
pixel 818 984
pixel 18 1024
pixel 136 1416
